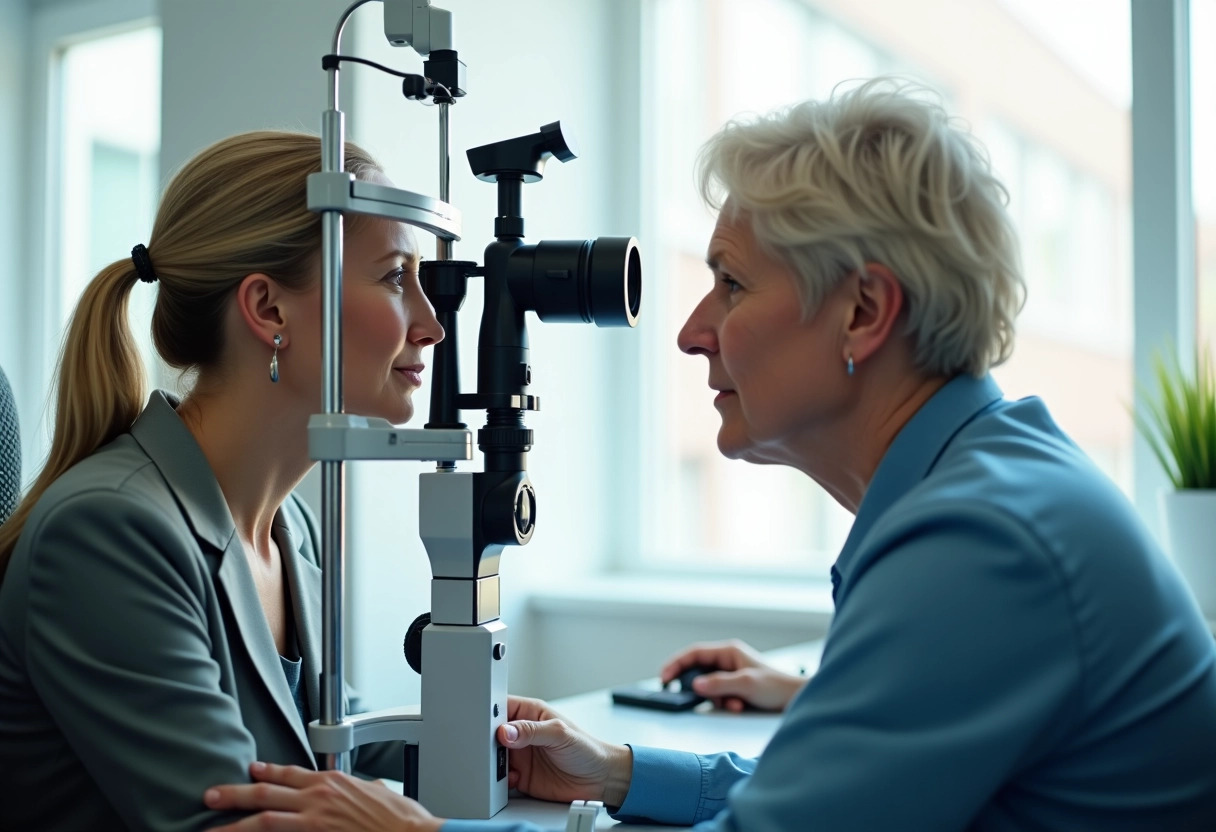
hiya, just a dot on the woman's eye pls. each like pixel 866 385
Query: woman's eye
pixel 731 285
pixel 396 277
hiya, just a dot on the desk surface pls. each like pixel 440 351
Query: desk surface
pixel 702 730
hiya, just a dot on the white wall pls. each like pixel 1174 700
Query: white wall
pixel 14 32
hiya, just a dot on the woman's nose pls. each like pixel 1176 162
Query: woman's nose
pixel 425 329
pixel 698 336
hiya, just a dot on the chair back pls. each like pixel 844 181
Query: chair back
pixel 10 450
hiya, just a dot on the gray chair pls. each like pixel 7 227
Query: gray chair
pixel 10 451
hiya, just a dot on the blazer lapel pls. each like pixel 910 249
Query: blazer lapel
pixel 304 587
pixel 237 582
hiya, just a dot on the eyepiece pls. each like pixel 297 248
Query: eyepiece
pixel 581 281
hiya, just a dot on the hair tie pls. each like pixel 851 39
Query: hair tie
pixel 143 264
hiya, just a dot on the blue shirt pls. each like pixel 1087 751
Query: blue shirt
pixel 1010 651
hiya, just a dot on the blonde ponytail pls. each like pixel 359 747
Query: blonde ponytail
pixel 99 392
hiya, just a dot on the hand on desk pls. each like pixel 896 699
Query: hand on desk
pixel 290 798
pixel 551 759
pixel 743 678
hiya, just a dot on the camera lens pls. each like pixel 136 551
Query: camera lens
pixel 582 281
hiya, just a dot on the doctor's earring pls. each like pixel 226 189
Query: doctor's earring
pixel 274 359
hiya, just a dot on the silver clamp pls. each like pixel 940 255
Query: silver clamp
pixel 341 191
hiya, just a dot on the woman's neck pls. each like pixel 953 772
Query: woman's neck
pixel 257 445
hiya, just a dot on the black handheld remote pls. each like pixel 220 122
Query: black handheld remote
pixel 659 700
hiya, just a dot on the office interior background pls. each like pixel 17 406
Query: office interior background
pixel 647 539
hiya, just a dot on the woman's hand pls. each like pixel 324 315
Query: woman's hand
pixel 291 799
pixel 743 677
pixel 551 759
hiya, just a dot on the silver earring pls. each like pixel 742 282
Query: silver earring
pixel 274 360
pixel 850 364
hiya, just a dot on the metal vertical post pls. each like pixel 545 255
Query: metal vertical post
pixel 443 247
pixel 333 491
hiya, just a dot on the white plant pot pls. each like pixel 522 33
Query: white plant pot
pixel 1190 529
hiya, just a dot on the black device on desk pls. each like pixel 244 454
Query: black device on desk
pixel 683 698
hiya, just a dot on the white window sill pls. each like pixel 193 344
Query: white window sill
pixel 754 602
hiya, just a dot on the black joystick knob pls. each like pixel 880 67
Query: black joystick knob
pixel 413 642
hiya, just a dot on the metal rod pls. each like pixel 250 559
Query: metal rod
pixel 337 50
pixel 333 492
pixel 332 578
pixel 443 247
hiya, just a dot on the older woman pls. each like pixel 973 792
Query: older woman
pixel 1010 649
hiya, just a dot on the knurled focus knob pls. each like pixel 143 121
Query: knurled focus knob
pixel 413 642
pixel 505 437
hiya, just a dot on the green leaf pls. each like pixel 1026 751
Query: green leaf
pixel 1178 419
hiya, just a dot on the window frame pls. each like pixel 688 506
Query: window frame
pixel 53 27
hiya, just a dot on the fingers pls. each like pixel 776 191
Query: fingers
pixel 293 776
pixel 727 655
pixel 522 707
pixel 737 683
pixel 253 796
pixel 526 733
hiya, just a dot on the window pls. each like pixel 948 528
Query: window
pixel 1203 164
pixel 1051 103
pixel 107 158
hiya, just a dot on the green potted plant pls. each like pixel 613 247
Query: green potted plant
pixel 1179 423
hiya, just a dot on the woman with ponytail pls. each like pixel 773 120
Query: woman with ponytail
pixel 159 588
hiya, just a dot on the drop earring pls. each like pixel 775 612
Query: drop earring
pixel 274 359
pixel 850 367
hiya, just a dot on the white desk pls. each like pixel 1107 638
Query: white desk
pixel 702 730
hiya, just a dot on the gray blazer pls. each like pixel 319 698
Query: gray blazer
pixel 136 666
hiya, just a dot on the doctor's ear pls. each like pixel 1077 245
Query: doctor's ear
pixel 261 303
pixel 877 299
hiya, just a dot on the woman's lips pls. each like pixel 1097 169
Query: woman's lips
pixel 413 376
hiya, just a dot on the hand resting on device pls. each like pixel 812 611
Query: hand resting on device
pixel 743 677
pixel 550 759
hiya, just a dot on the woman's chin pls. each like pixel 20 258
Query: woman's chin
pixel 397 413
pixel 730 444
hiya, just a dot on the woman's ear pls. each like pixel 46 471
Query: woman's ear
pixel 259 300
pixel 877 301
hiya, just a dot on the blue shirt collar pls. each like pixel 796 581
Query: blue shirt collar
pixel 912 455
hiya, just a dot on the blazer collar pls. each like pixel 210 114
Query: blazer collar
pixel 915 451
pixel 175 453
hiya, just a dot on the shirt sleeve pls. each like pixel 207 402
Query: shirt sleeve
pixel 118 650
pixel 672 787
pixel 678 787
pixel 950 663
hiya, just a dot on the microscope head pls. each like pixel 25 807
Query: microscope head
pixel 415 23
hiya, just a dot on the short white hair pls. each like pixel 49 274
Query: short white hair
pixel 881 174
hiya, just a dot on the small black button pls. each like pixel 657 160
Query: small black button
pixel 500 650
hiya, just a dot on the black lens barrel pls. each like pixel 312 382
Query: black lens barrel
pixel 581 281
